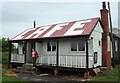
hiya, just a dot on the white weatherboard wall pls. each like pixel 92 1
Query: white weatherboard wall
pixel 97 36
pixel 68 58
pixel 90 53
pixel 20 48
pixel 64 47
pixel 45 57
pixel 38 47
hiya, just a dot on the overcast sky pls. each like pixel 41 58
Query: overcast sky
pixel 18 16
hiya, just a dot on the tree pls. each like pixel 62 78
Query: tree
pixel 0 45
pixel 5 45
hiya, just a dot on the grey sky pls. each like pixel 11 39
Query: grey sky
pixel 19 16
pixel 119 15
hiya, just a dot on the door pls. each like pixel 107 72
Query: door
pixel 28 52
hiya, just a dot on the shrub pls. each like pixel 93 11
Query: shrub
pixel 5 58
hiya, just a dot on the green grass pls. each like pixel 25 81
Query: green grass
pixel 7 79
pixel 112 76
pixel 5 58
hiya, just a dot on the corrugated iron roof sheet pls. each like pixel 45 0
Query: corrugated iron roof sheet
pixel 74 28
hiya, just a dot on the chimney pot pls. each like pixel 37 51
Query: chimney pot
pixel 104 5
pixel 34 24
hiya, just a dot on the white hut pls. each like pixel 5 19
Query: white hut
pixel 76 44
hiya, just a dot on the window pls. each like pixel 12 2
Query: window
pixel 48 46
pixel 116 46
pixel 78 45
pixel 95 57
pixel 51 46
pixel 81 45
pixel 73 46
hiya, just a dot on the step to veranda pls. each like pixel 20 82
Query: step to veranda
pixel 104 71
pixel 26 68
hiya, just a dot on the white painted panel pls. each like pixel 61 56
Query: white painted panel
pixel 90 47
pixel 18 58
pixel 109 43
pixel 38 47
pixel 45 57
pixel 20 48
pixel 64 47
pixel 76 61
pixel 97 37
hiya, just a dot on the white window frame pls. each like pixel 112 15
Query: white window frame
pixel 116 45
pixel 77 45
pixel 51 45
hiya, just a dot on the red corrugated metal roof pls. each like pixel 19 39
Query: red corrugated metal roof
pixel 74 28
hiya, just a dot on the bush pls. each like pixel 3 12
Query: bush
pixel 113 75
pixel 5 58
pixel 4 45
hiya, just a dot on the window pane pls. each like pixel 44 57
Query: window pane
pixel 116 46
pixel 73 46
pixel 95 57
pixel 23 49
pixel 81 45
pixel 48 46
pixel 53 46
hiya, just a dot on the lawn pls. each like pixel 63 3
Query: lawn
pixel 112 76
pixel 4 69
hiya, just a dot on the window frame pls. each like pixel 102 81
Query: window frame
pixel 95 57
pixel 116 45
pixel 51 46
pixel 77 47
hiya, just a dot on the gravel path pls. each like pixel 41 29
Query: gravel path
pixel 46 78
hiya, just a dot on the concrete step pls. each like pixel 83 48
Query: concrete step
pixel 28 65
pixel 26 68
pixel 104 71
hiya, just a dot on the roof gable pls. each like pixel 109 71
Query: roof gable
pixel 74 28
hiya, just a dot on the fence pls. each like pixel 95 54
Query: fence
pixel 77 61
pixel 18 58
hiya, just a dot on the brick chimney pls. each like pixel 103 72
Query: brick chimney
pixel 104 18
pixel 106 56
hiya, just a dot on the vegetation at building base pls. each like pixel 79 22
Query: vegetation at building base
pixel 4 69
pixel 4 48
pixel 113 75
pixel 4 45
